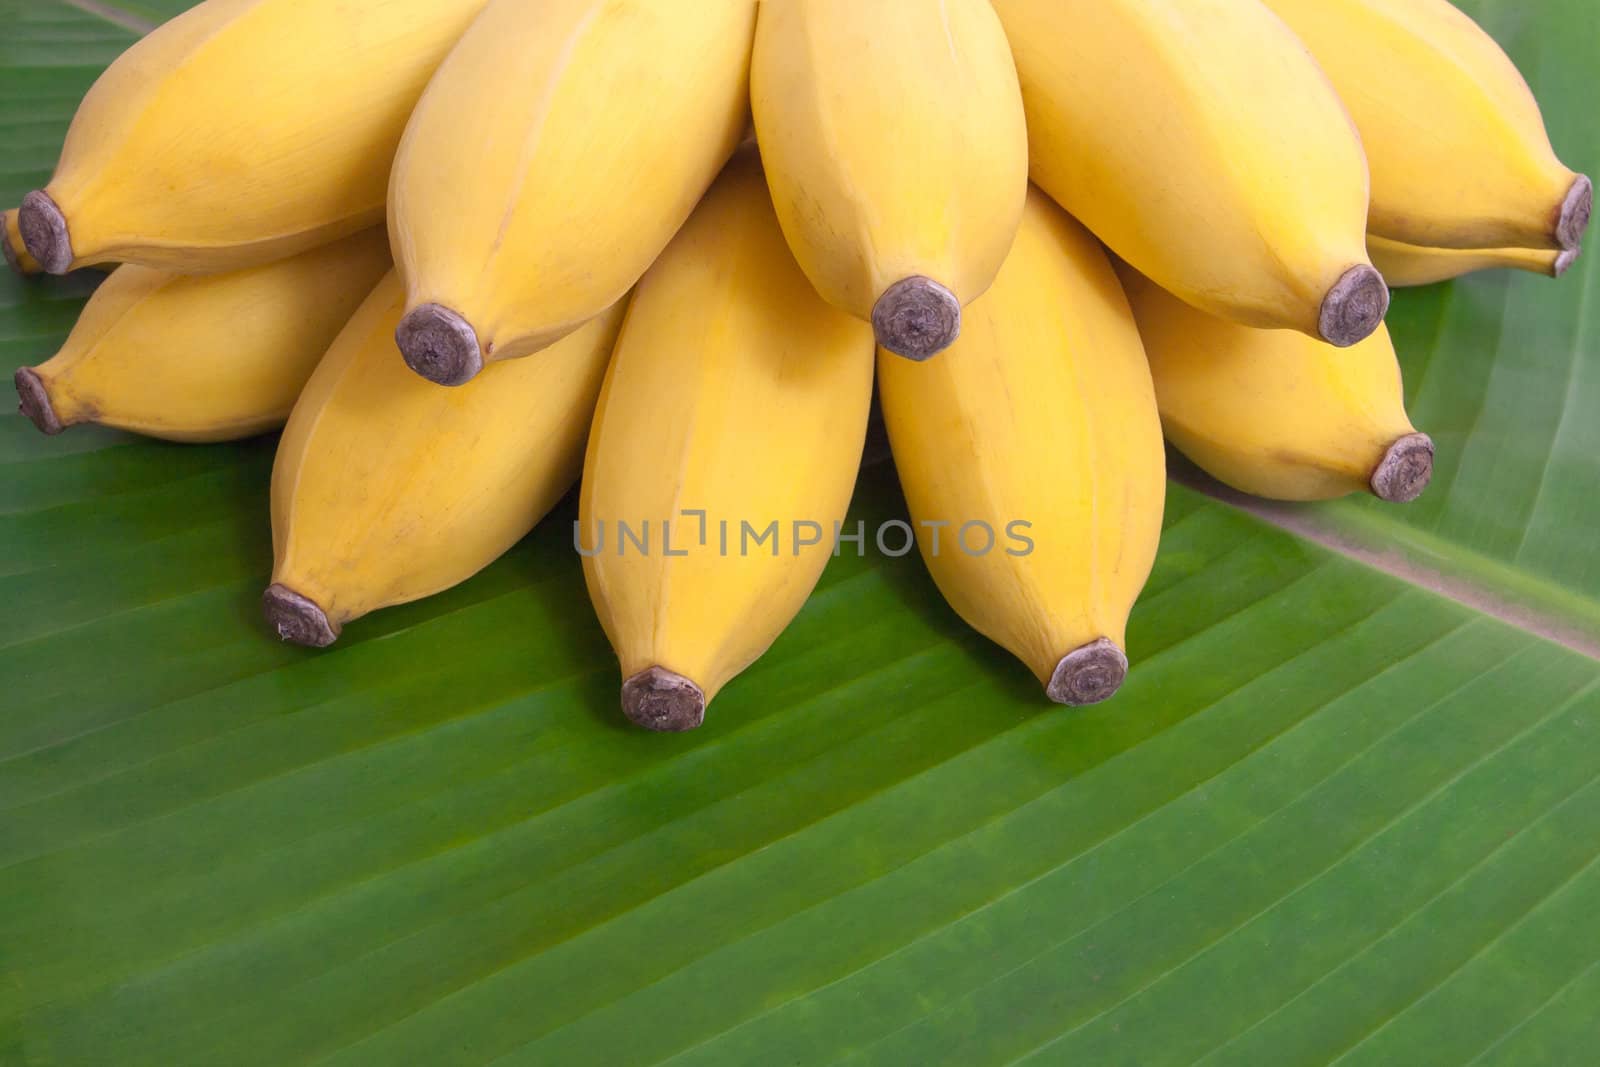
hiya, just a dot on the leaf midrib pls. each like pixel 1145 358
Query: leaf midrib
pixel 1485 586
pixel 113 15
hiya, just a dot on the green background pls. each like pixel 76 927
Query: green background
pixel 1335 815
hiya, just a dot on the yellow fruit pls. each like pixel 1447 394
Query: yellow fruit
pixel 240 132
pixel 558 150
pixel 209 358
pixel 1459 153
pixel 1404 265
pixel 1279 415
pixel 1198 139
pixel 388 489
pixel 17 256
pixel 737 399
pixel 1036 436
pixel 894 141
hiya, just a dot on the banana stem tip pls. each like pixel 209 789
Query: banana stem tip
pixel 1088 675
pixel 1573 221
pixel 1354 307
pixel 44 232
pixel 297 619
pixel 917 318
pixel 1564 262
pixel 35 402
pixel 659 700
pixel 1406 469
pixel 440 345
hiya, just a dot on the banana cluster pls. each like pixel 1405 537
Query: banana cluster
pixel 468 254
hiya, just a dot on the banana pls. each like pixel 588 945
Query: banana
pixel 737 399
pixel 1198 139
pixel 561 146
pixel 897 153
pixel 1458 150
pixel 1405 265
pixel 387 489
pixel 1278 415
pixel 1031 458
pixel 241 132
pixel 17 257
pixel 210 358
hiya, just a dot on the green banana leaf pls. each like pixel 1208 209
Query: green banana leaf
pixel 1346 809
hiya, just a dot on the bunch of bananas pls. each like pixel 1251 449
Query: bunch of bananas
pixel 613 288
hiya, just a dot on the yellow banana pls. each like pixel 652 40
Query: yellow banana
pixel 895 146
pixel 388 489
pixel 1279 415
pixel 240 132
pixel 1459 153
pixel 210 358
pixel 1404 265
pixel 560 147
pixel 17 255
pixel 737 399
pixel 1198 139
pixel 1031 458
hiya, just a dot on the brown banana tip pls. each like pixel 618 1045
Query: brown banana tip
pixel 1088 675
pixel 1406 469
pixel 1354 307
pixel 35 402
pixel 917 318
pixel 298 619
pixel 1573 221
pixel 1564 262
pixel 659 700
pixel 440 345
pixel 44 232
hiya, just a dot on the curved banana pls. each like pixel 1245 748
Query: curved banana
pixel 1279 415
pixel 559 149
pixel 737 399
pixel 387 489
pixel 211 358
pixel 897 153
pixel 1031 458
pixel 1198 139
pixel 1458 150
pixel 17 255
pixel 240 132
pixel 1405 265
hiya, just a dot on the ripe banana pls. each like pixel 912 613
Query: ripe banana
pixel 210 358
pixel 559 149
pixel 1276 414
pixel 17 257
pixel 1198 139
pixel 1404 265
pixel 1041 422
pixel 897 153
pixel 240 132
pixel 1458 150
pixel 388 489
pixel 737 399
